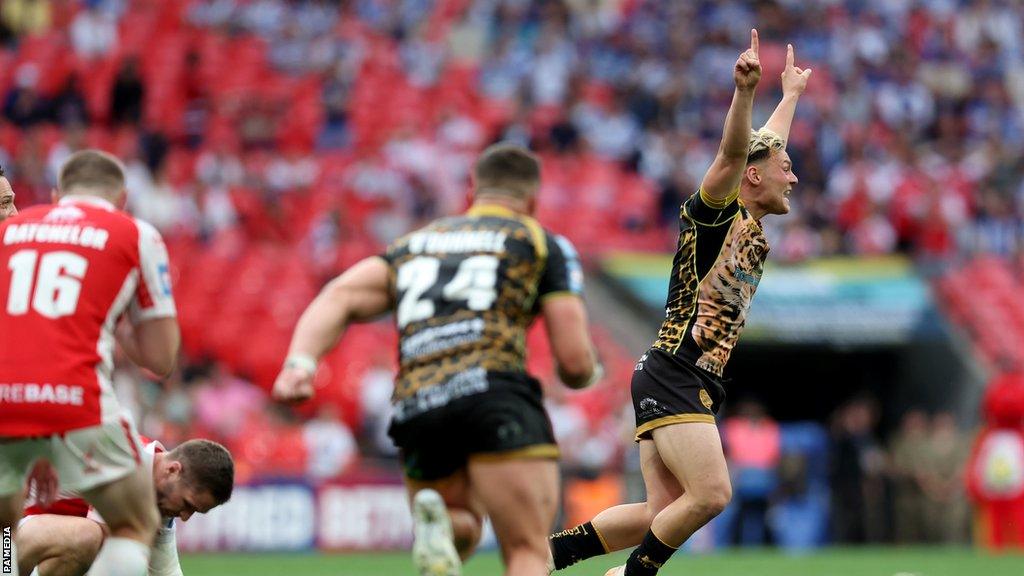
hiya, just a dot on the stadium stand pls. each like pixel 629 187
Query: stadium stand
pixel 275 143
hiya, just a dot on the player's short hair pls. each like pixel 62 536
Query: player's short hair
pixel 763 143
pixel 506 169
pixel 94 170
pixel 207 465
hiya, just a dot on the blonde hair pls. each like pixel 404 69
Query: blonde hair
pixel 763 143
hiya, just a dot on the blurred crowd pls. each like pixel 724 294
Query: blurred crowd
pixel 330 127
pixel 908 488
pixel 909 139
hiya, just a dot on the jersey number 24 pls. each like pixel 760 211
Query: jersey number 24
pixel 474 282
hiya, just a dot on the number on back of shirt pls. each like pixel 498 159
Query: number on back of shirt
pixel 475 282
pixel 58 282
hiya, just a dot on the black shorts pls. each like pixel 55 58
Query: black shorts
pixel 669 390
pixel 506 421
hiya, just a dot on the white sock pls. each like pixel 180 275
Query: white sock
pixel 121 557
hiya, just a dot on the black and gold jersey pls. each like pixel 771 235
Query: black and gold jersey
pixel 716 269
pixel 465 289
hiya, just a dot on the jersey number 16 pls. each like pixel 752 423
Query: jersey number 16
pixel 58 282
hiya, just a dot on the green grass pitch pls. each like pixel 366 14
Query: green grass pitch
pixel 835 562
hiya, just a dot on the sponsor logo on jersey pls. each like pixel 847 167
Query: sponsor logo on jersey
pixel 705 398
pixel 32 393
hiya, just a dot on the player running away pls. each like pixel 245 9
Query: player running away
pixel 62 539
pixel 676 386
pixel 68 272
pixel 470 422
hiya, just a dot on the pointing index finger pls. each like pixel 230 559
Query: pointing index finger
pixel 753 40
pixel 789 55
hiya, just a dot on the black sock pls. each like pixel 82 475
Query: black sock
pixel 575 544
pixel 648 557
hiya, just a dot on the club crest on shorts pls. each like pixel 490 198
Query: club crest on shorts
pixel 705 398
pixel 648 404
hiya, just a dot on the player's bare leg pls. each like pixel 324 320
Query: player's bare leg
pixel 58 545
pixel 521 499
pixel 128 506
pixel 465 515
pixel 693 453
pixel 620 527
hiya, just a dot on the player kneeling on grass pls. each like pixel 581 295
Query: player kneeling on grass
pixel 62 539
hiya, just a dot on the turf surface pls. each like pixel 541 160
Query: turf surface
pixel 836 562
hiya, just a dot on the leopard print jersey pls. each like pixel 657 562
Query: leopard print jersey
pixel 707 308
pixel 466 289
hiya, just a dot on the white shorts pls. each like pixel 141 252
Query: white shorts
pixel 84 459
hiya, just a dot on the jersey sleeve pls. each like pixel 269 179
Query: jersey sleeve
pixel 563 274
pixel 163 558
pixel 705 211
pixel 153 298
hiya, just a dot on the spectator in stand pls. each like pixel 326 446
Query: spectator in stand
pixel 25 17
pixel 69 107
pixel 73 141
pixel 220 389
pixel 197 101
pixel 329 443
pixel 24 106
pixel 128 94
pixel 219 165
pixel 212 13
pixel 93 32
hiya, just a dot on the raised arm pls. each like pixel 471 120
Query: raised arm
pixel 360 294
pixel 794 82
pixel 723 177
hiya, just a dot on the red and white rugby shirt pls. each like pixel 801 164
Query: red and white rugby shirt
pixel 68 272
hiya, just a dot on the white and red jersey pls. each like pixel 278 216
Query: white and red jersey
pixel 68 272
pixel 70 503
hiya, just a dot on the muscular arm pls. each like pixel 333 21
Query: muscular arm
pixel 152 344
pixel 360 294
pixel 721 183
pixel 565 318
pixel 794 82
